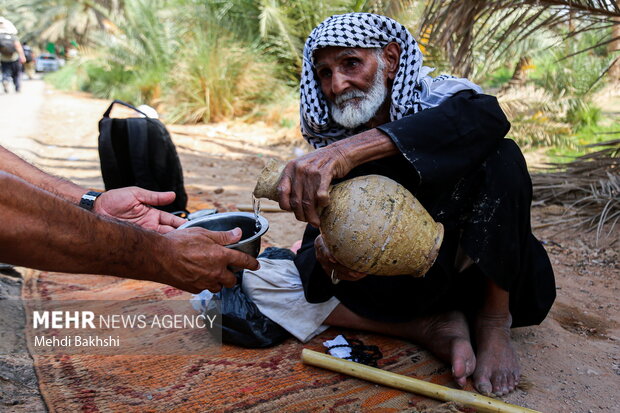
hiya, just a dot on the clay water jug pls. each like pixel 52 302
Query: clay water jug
pixel 371 225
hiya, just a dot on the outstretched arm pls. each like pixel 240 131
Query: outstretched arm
pixel 130 204
pixel 43 231
pixel 13 164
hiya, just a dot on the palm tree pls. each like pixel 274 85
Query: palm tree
pixel 63 21
pixel 493 27
pixel 285 25
pixel 614 46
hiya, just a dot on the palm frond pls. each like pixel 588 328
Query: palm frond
pixel 588 188
pixel 62 21
pixel 492 27
pixel 273 19
pixel 536 116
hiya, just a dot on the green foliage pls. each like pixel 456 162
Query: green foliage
pixel 61 21
pixel 181 60
pixel 132 61
pixel 498 77
pixel 283 26
pixel 582 114
pixel 200 61
pixel 581 139
pixel 577 75
pixel 67 78
pixel 574 77
pixel 219 78
pixel 556 102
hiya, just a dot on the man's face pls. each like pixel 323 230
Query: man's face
pixel 353 81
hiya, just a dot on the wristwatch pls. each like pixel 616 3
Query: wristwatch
pixel 88 200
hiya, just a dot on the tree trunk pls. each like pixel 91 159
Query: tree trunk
pixel 613 48
pixel 519 76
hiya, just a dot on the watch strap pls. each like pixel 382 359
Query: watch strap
pixel 88 200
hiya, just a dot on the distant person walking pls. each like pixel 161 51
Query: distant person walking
pixel 11 55
pixel 29 68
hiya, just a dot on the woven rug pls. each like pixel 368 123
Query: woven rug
pixel 236 379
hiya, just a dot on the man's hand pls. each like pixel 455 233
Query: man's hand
pixel 329 263
pixel 133 204
pixel 304 184
pixel 199 260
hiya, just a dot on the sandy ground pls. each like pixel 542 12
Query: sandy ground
pixel 571 363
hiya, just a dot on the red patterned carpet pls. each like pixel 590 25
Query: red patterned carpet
pixel 236 379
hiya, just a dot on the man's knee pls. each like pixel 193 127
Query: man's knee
pixel 506 170
pixel 504 194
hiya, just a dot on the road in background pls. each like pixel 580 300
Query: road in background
pixel 19 117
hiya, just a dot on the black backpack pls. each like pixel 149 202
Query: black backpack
pixel 139 151
pixel 27 53
pixel 7 44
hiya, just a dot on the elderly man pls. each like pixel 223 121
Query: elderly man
pixel 44 228
pixel 369 106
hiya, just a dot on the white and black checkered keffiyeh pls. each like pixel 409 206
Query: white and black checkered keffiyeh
pixel 413 90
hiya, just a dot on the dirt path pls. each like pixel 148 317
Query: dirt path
pixel 19 114
pixel 19 390
pixel 571 361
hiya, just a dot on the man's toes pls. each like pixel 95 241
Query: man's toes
pixel 483 385
pixel 506 383
pixel 470 366
pixel 498 383
pixel 510 382
pixel 459 367
pixel 463 362
pixel 500 386
pixel 458 372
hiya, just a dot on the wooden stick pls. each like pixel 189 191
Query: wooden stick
pixel 481 403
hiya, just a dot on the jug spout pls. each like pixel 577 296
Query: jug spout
pixel 267 183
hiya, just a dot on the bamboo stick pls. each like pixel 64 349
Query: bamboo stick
pixel 481 403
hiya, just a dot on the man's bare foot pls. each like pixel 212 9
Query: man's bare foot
pixel 447 337
pixel 497 370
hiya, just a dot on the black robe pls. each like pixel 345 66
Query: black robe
pixel 455 160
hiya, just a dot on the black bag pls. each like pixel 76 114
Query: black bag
pixel 7 44
pixel 139 151
pixel 242 322
pixel 27 53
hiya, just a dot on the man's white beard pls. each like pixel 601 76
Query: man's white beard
pixel 351 114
